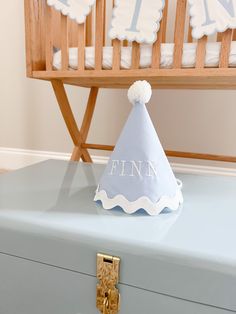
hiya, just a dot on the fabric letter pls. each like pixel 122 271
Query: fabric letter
pixel 137 168
pixel 228 6
pixel 65 2
pixel 136 20
pixel 152 171
pixel 208 20
pixel 115 163
pixel 133 27
pixel 122 168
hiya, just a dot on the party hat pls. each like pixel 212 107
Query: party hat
pixel 138 174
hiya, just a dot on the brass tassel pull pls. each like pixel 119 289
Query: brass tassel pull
pixel 108 297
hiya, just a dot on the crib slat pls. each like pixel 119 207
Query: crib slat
pixel 72 33
pixel 100 20
pixel 89 29
pixel 49 39
pixel 116 50
pixel 125 43
pixel 219 36
pixel 104 23
pixel 179 33
pixel 201 52
pixel 81 46
pixel 234 35
pixel 28 37
pixel 156 49
pixel 35 27
pixel 190 37
pixel 116 54
pixel 156 52
pixel 161 36
pixel 56 33
pixel 225 48
pixel 164 21
pixel 64 43
pixel 135 55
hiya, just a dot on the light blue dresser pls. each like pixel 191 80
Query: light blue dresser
pixel 51 232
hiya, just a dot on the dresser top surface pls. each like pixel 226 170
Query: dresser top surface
pixel 58 195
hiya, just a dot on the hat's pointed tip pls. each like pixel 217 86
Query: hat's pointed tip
pixel 140 92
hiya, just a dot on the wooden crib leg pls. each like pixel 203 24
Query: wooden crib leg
pixel 71 124
pixel 77 153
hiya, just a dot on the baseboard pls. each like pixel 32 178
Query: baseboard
pixel 12 158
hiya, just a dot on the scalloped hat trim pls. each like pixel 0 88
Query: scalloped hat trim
pixel 143 202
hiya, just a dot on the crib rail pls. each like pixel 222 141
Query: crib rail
pixel 48 30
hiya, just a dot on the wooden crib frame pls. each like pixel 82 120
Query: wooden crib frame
pixel 46 29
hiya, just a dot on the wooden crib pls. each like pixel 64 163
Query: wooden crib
pixel 47 29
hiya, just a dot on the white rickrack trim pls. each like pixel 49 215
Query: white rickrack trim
pixel 143 202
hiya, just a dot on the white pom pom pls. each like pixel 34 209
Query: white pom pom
pixel 140 92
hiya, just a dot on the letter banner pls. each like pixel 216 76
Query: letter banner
pixel 76 10
pixel 136 20
pixel 212 16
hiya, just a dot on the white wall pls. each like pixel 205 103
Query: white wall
pixel 198 121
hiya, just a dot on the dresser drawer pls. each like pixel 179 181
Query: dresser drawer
pixel 29 287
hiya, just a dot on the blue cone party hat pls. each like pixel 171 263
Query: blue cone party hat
pixel 138 174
